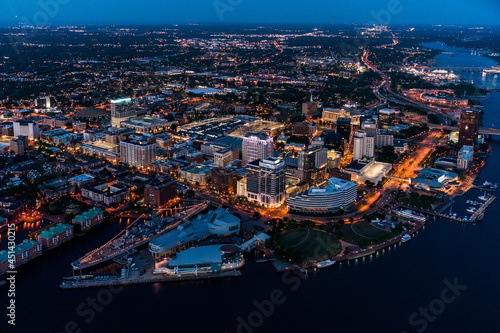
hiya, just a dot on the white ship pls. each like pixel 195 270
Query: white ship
pixel 493 70
pixel 471 210
pixel 405 238
pixel 411 215
pixel 325 263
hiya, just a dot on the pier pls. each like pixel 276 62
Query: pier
pixel 473 219
pixel 117 281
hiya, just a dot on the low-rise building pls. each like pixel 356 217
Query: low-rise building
pixel 81 180
pixel 105 193
pixel 465 157
pixel 56 235
pixel 196 173
pixel 89 219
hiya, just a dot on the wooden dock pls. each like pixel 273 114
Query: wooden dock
pixel 473 219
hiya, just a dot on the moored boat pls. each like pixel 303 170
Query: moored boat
pixel 325 263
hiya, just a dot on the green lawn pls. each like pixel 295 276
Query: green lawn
pixel 365 234
pixel 310 244
pixel 366 229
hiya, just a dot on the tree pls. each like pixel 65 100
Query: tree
pixel 341 222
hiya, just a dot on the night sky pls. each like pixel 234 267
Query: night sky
pixel 46 12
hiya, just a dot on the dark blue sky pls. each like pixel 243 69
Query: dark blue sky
pixel 43 12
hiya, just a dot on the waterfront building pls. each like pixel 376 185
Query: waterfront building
pixel 216 222
pixel 433 178
pixel 204 259
pixel 26 128
pixel 266 181
pixel 465 157
pixel 160 191
pixel 56 235
pixel 23 252
pixel 256 147
pixel 469 128
pixel 137 151
pixel 88 219
pixel 338 194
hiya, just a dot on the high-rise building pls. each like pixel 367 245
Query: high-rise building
pixel 266 181
pixel 344 128
pixel 333 140
pixel 137 151
pixel 121 110
pixel 364 146
pixel 312 164
pixel 310 109
pixel 359 145
pixel 386 117
pixel 160 191
pixel 370 127
pixel 224 180
pixel 384 139
pixel 469 128
pixel 19 145
pixel 256 147
pixel 26 128
pixel 223 157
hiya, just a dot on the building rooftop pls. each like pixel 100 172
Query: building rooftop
pixel 210 254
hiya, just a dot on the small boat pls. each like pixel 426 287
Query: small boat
pixel 326 263
pixel 405 238
pixel 471 210
pixel 483 198
pixel 468 202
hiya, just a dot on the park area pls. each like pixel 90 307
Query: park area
pixel 307 244
pixel 363 233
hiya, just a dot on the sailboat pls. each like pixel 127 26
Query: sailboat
pixel 483 197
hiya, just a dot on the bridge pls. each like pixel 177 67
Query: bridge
pixel 482 130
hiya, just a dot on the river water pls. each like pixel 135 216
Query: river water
pixel 405 288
